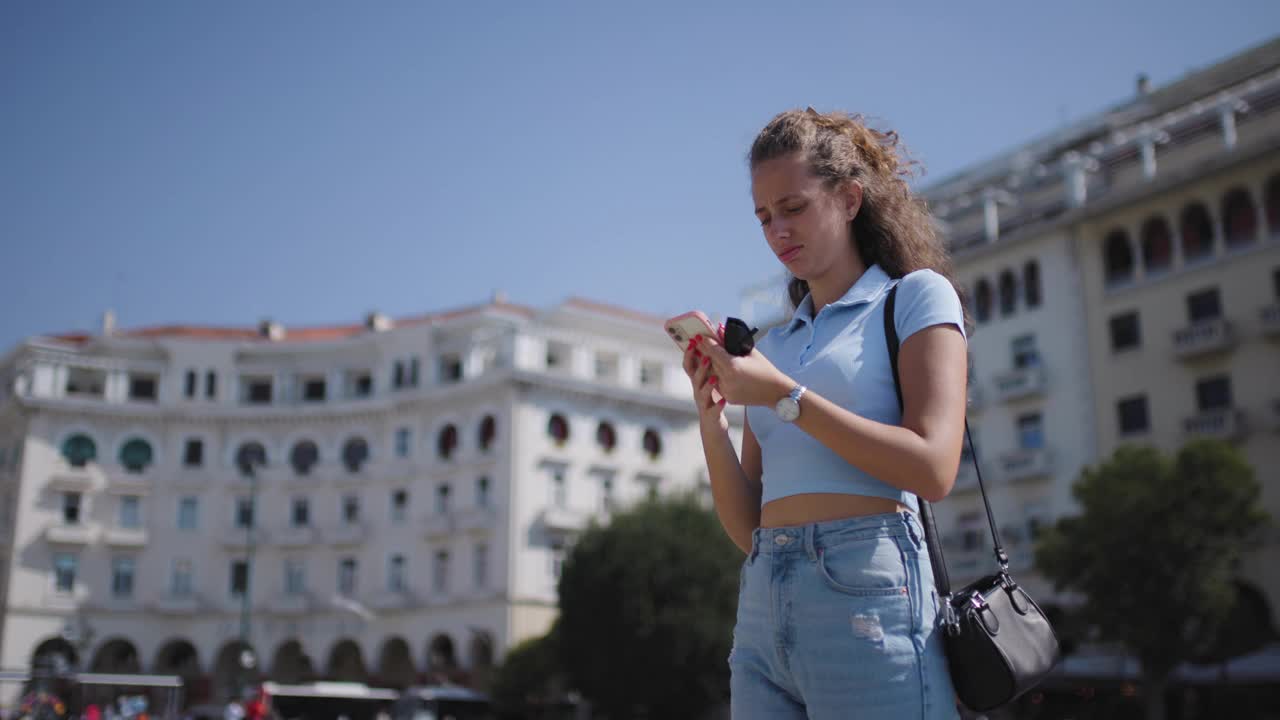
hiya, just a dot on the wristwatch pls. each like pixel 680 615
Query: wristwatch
pixel 788 408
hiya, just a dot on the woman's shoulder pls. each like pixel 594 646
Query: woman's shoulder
pixel 925 282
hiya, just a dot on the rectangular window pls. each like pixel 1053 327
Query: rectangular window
pixel 558 354
pixel 295 578
pixel 397 375
pixel 180 580
pixel 651 484
pixel 193 453
pixel 1213 393
pixel 480 570
pixel 559 488
pixel 142 387
pixel 1204 305
pixel 257 390
pixel 300 513
pixel 608 499
pixel 395 574
pixel 482 492
pixel 313 390
pixel 1131 413
pixel 71 508
pixel 1025 354
pixel 189 389
pixel 404 440
pixel 1125 331
pixel 413 372
pixel 65 567
pixel 557 558
pixel 399 506
pixel 347 577
pixel 122 569
pixel 188 513
pixel 350 509
pixel 1030 432
pixel 210 385
pixel 239 577
pixel 440 572
pixel 244 512
pixel 450 368
pixel 607 366
pixel 651 374
pixel 442 499
pixel 130 511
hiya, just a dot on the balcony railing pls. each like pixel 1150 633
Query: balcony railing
pixel 60 533
pixel 1019 383
pixel 1269 316
pixel 479 519
pixel 558 519
pixel 1025 464
pixel 69 478
pixel 125 537
pixel 347 534
pixel 1223 423
pixel 1203 337
pixel 169 604
pixel 295 536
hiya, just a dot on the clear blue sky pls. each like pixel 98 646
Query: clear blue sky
pixel 217 163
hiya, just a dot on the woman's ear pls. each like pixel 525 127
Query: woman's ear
pixel 852 197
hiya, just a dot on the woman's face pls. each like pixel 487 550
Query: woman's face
pixel 805 224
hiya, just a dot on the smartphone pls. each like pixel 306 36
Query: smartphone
pixel 683 328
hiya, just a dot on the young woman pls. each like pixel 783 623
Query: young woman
pixel 837 615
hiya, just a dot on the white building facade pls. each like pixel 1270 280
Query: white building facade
pixel 411 488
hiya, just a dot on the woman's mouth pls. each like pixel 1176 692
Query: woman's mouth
pixel 790 253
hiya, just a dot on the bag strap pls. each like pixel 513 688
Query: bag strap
pixel 941 578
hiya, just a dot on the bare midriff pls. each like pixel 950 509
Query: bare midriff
pixel 809 508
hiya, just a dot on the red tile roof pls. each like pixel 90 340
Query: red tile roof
pixel 339 332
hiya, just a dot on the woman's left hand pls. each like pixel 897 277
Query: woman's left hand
pixel 747 380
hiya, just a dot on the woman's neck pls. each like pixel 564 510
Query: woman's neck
pixel 833 284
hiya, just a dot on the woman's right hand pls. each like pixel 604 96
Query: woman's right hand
pixel 698 367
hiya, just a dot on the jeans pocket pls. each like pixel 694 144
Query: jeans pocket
pixel 869 567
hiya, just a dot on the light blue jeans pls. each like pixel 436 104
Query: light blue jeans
pixel 839 620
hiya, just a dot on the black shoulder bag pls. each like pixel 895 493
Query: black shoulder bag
pixel 998 642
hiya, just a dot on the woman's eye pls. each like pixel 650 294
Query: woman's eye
pixel 795 210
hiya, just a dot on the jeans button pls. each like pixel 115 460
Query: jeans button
pixel 782 539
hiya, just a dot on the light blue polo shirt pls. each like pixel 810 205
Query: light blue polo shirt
pixel 842 355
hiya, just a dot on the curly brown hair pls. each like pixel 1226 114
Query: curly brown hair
pixel 893 228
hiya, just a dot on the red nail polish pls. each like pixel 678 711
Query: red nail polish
pixel 713 380
pixel 706 361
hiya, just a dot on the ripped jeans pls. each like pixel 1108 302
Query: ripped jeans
pixel 839 620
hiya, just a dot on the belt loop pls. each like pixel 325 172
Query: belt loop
pixel 755 545
pixel 810 548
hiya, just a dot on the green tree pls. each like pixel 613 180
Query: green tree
pixel 647 607
pixel 1155 549
pixel 530 676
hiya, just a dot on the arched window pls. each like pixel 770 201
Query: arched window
pixel 304 456
pixel 488 430
pixel 250 455
pixel 1273 205
pixel 1008 293
pixel 1118 256
pixel 447 441
pixel 652 443
pixel 1197 232
pixel 79 449
pixel 135 455
pixel 355 453
pixel 1031 283
pixel 1157 245
pixel 982 301
pixel 1239 218
pixel 606 437
pixel 558 429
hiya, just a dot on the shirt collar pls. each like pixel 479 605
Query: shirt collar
pixel 867 288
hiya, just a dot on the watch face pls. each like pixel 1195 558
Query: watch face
pixel 787 409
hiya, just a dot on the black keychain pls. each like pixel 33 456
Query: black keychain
pixel 739 339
